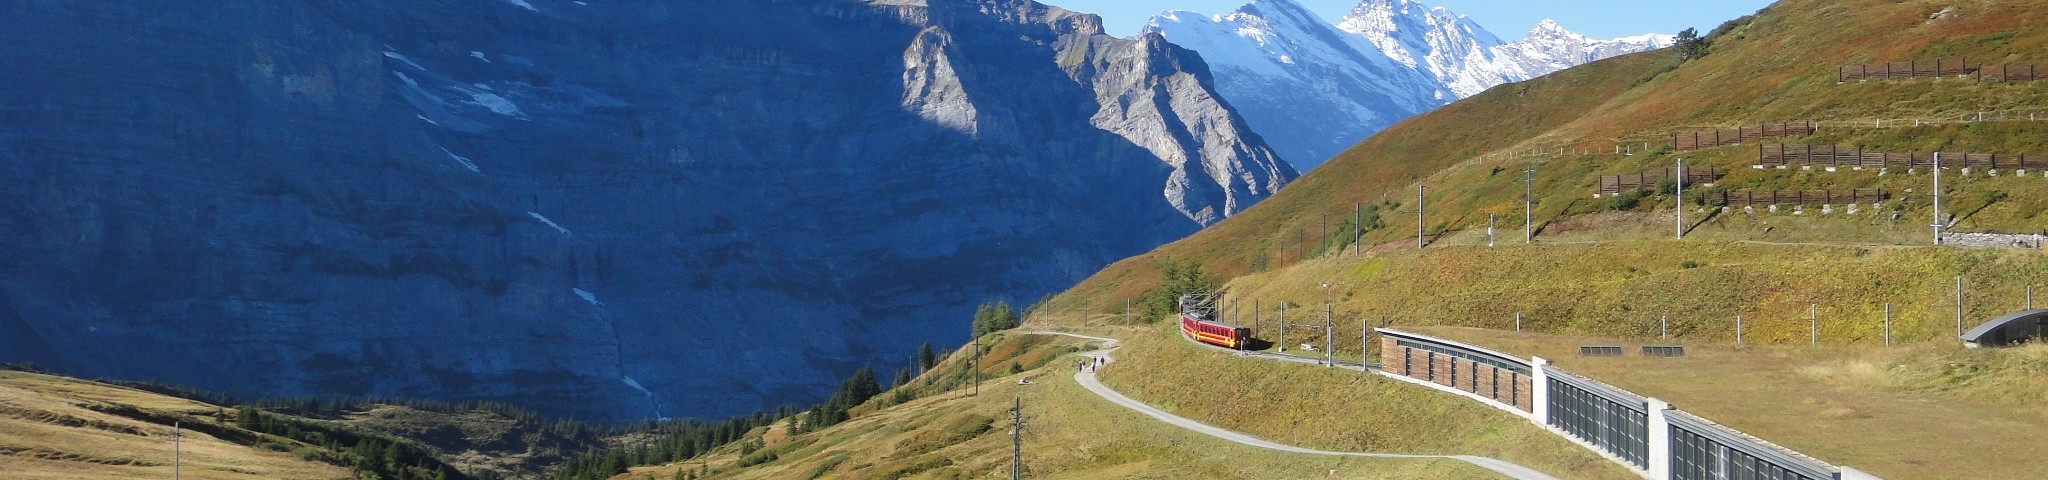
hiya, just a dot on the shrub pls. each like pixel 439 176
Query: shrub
pixel 1624 201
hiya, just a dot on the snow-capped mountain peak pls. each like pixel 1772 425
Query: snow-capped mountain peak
pixel 1409 32
pixel 1312 88
pixel 1270 56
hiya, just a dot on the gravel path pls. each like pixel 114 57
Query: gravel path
pixel 1087 380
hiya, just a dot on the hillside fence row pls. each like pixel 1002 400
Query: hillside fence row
pixel 1720 137
pixel 1942 67
pixel 1748 198
pixel 2010 73
pixel 1638 181
pixel 1856 156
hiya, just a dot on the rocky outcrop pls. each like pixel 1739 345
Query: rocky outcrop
pixel 616 209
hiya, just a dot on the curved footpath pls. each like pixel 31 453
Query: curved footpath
pixel 1088 381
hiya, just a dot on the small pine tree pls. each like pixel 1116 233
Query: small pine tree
pixel 862 386
pixel 1690 45
pixel 925 359
pixel 993 317
pixel 1175 279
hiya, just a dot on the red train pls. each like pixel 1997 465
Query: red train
pixel 1214 333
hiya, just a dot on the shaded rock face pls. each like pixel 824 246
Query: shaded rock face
pixel 616 210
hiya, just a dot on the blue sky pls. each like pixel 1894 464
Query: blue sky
pixel 1507 18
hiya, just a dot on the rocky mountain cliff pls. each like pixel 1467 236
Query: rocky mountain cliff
pixel 618 210
pixel 1316 88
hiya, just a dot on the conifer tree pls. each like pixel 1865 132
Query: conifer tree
pixel 925 358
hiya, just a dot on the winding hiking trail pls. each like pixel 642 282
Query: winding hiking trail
pixel 1087 380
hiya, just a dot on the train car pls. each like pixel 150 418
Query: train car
pixel 1215 333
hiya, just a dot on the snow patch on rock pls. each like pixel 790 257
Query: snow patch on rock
pixel 402 58
pixel 465 160
pixel 551 223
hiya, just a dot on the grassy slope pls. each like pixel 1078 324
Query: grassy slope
pixel 1614 273
pixel 49 430
pixel 1765 267
pixel 1330 409
pixel 1074 434
pixel 1780 67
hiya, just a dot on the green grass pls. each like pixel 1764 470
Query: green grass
pixel 1071 433
pixel 1333 409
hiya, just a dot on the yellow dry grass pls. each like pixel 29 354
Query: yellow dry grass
pixel 1780 67
pixel 48 430
pixel 1923 410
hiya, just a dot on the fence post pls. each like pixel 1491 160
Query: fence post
pixel 1887 324
pixel 1659 443
pixel 2030 302
pixel 1539 391
pixel 1738 329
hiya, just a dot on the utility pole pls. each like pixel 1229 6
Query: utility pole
pixel 177 449
pixel 1421 206
pixel 1887 324
pixel 1813 325
pixel 1325 249
pixel 1529 206
pixel 1364 341
pixel 1357 216
pixel 1329 338
pixel 1937 208
pixel 1255 317
pixel 977 367
pixel 1017 440
pixel 1283 327
pixel 1681 199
